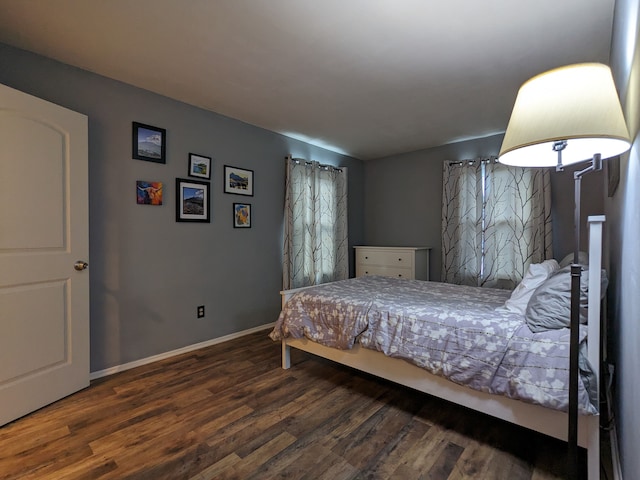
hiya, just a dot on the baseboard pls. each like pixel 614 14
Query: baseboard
pixel 179 351
pixel 615 453
pixel 613 441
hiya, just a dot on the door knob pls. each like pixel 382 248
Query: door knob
pixel 80 265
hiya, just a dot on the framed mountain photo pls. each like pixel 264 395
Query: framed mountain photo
pixel 149 143
pixel 192 201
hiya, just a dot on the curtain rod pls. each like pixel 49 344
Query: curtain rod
pixel 307 162
pixel 490 159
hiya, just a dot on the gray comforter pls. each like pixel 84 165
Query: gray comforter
pixel 454 331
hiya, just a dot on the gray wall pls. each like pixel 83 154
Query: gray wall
pixel 623 226
pixel 148 273
pixel 403 198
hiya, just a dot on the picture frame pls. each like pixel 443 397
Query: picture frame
pixel 238 181
pixel 193 203
pixel 149 193
pixel 241 215
pixel 149 143
pixel 199 166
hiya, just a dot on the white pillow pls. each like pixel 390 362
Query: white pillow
pixel 535 276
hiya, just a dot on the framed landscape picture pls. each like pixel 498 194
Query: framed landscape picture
pixel 192 201
pixel 149 143
pixel 241 215
pixel 199 166
pixel 238 181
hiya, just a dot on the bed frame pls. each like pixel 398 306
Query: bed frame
pixel 540 419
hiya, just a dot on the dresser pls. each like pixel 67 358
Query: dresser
pixel 401 262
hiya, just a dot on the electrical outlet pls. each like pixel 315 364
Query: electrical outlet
pixel 200 311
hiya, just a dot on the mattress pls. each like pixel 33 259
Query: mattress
pixel 454 331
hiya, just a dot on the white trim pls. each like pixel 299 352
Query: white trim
pixel 613 442
pixel 615 452
pixel 172 353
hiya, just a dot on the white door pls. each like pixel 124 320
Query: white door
pixel 44 300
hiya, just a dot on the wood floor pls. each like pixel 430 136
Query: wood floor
pixel 230 412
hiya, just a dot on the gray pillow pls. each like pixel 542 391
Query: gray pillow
pixel 550 305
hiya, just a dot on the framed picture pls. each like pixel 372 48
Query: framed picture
pixel 199 166
pixel 149 143
pixel 238 181
pixel 148 193
pixel 241 215
pixel 192 201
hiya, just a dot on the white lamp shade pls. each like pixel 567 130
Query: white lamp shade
pixel 577 103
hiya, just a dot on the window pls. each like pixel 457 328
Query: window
pixel 315 244
pixel 496 221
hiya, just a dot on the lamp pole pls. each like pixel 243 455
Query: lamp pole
pixel 574 337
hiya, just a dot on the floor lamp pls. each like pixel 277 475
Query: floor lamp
pixel 562 117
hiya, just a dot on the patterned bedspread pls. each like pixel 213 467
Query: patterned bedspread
pixel 450 330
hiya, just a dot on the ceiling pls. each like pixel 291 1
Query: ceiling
pixel 368 78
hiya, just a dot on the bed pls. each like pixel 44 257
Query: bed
pixel 457 343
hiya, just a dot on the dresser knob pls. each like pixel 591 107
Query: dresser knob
pixel 399 259
pixel 366 258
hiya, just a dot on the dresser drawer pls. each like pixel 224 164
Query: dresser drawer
pixel 398 272
pixel 384 257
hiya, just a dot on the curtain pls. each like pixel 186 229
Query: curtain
pixel 496 221
pixel 461 222
pixel 315 231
